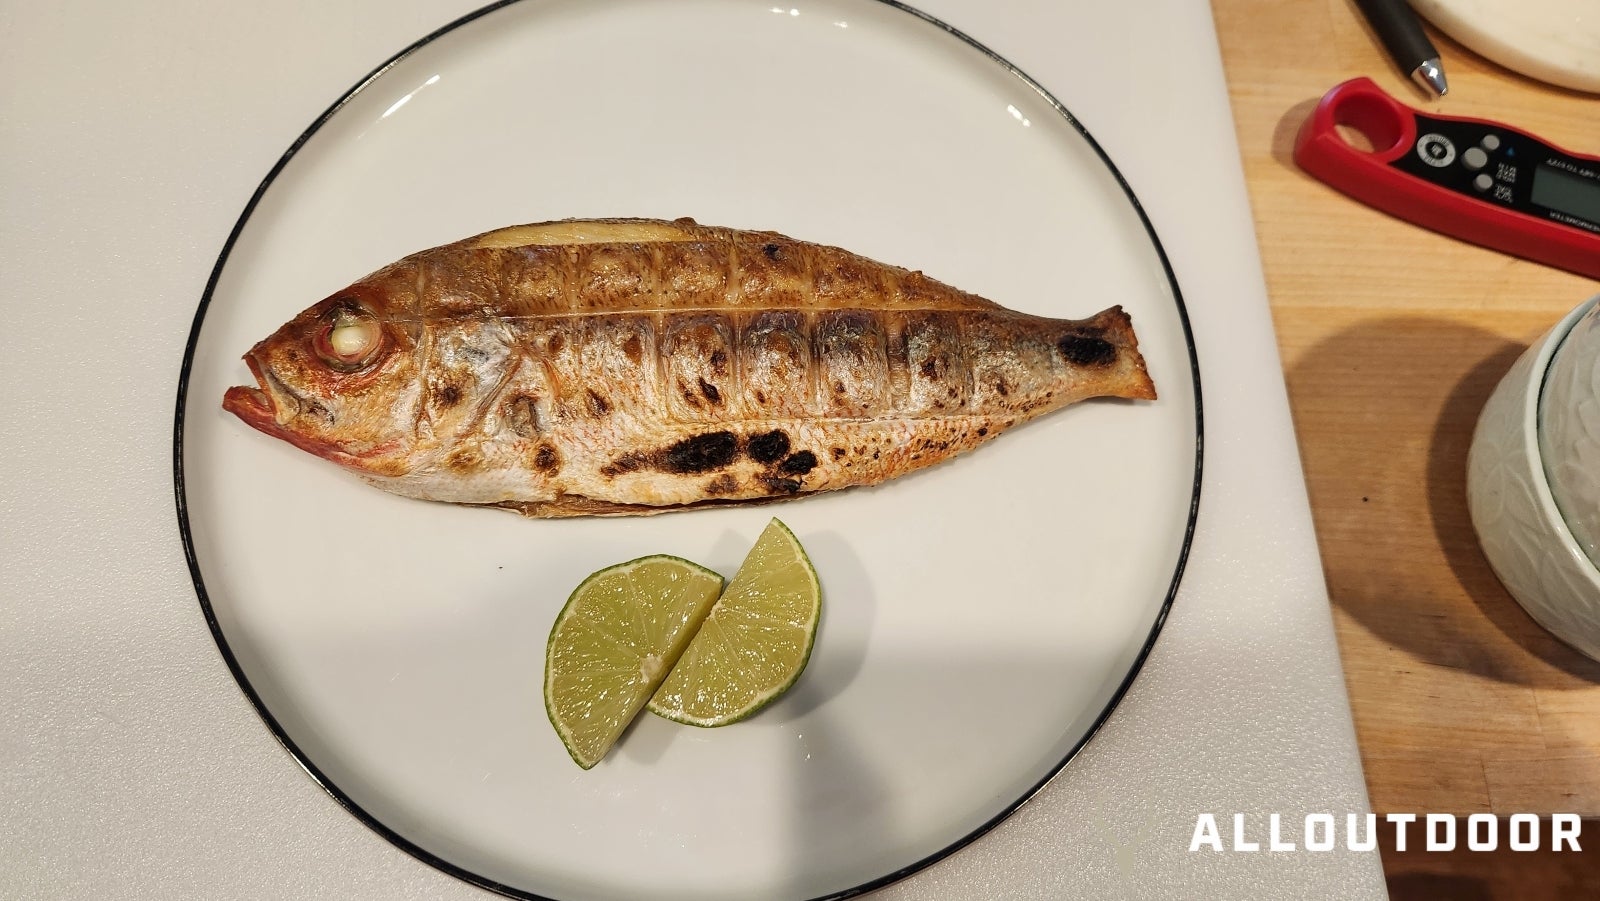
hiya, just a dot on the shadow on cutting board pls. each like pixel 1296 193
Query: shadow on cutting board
pixel 1460 874
pixel 1398 547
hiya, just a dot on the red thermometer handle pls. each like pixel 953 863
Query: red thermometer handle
pixel 1480 181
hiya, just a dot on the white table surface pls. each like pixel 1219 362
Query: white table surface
pixel 131 764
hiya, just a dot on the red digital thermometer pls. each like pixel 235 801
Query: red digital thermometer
pixel 1480 181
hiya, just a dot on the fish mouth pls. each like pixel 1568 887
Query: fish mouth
pixel 259 408
pixel 254 405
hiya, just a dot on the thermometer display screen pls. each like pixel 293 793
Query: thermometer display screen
pixel 1567 192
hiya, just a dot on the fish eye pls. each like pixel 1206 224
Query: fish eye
pixel 348 339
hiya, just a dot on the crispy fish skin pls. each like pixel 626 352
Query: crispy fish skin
pixel 630 366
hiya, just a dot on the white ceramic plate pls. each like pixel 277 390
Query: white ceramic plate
pixel 982 617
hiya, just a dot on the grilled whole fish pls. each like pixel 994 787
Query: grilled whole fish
pixel 626 366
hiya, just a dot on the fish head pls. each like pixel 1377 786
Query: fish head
pixel 340 381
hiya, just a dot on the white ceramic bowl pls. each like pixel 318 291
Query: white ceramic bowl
pixel 1569 430
pixel 1523 532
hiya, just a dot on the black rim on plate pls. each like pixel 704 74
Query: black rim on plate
pixel 433 860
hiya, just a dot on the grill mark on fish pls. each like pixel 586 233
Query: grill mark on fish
pixel 897 361
pixel 651 282
pixel 768 447
pixel 547 460
pixel 694 455
pixel 780 485
pixel 569 278
pixel 1086 350
pixel 696 354
pixel 702 453
pixel 732 364
pixel 733 288
pixel 962 364
pixel 808 279
pixel 798 464
pixel 814 377
pixel 629 462
pixel 893 296
pixel 852 363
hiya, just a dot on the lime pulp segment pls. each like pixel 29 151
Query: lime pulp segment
pixel 754 643
pixel 618 636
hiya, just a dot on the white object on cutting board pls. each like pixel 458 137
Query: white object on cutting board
pixel 1556 41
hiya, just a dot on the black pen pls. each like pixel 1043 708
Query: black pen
pixel 1408 46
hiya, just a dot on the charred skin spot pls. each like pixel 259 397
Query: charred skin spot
pixel 781 486
pixel 1086 350
pixel 798 464
pixel 598 405
pixel 702 453
pixel 982 431
pixel 555 343
pixel 449 396
pixel 719 362
pixel 631 462
pixel 838 453
pixel 633 350
pixel 723 484
pixel 930 368
pixel 1002 387
pixel 546 460
pixel 769 447
pixel 761 396
pixel 710 391
pixel 772 251
pixel 463 459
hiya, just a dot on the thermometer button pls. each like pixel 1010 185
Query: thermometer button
pixel 1490 143
pixel 1436 150
pixel 1474 158
pixel 1483 182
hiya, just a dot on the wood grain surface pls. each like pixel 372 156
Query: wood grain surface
pixel 1392 337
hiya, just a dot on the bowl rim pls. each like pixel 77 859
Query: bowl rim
pixel 1532 402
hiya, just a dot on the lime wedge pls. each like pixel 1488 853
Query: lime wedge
pixel 755 642
pixel 613 643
